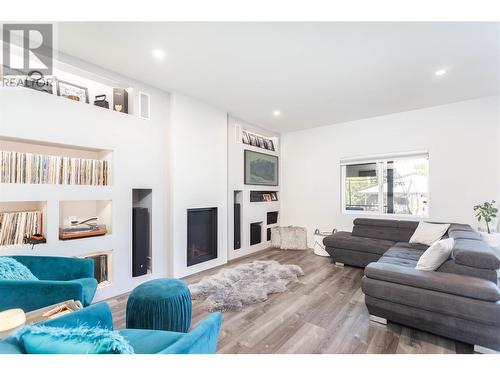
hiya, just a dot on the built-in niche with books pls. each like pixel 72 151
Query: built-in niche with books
pixel 22 222
pixel 263 196
pixel 102 267
pixel 32 162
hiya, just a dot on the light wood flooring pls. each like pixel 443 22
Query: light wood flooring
pixel 323 313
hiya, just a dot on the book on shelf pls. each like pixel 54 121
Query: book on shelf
pixel 27 168
pixel 15 226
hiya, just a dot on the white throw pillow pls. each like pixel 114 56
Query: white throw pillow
pixel 428 233
pixel 435 255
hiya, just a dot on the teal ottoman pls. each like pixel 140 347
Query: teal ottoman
pixel 162 304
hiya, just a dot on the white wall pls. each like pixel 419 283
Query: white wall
pixel 251 212
pixel 140 160
pixel 462 140
pixel 198 153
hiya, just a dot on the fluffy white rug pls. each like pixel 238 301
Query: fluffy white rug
pixel 245 284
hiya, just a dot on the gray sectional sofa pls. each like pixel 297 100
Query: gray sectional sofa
pixel 460 300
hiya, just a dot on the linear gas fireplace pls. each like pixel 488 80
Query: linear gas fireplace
pixel 202 235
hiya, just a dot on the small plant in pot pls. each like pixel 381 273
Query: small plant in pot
pixel 487 212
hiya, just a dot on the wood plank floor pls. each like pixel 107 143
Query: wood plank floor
pixel 323 313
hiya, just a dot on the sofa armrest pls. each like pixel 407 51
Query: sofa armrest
pixel 459 285
pixel 201 340
pixel 31 295
pixel 58 268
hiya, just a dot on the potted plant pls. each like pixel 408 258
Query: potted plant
pixel 487 212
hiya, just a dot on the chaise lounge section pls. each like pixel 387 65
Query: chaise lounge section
pixel 460 300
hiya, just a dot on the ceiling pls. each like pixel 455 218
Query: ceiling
pixel 314 73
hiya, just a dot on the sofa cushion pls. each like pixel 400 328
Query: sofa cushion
pixel 438 253
pixel 475 253
pixel 41 339
pixel 428 233
pixel 414 246
pixel 465 286
pixel 404 253
pixel 11 269
pixel 392 230
pixel 450 266
pixel 145 341
pixel 397 261
pixel 345 240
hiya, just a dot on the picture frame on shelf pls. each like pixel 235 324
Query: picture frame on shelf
pixel 253 140
pixel 244 138
pixel 270 144
pixel 267 197
pixel 274 197
pixel 71 91
pixel 262 144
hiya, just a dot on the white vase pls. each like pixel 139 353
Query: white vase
pixel 492 239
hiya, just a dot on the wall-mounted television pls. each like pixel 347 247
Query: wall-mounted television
pixel 261 169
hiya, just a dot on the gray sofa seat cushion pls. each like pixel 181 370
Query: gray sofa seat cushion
pixel 345 240
pixel 392 230
pixel 430 300
pixel 474 253
pixel 459 285
pixel 404 253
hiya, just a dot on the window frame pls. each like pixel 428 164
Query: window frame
pixel 379 160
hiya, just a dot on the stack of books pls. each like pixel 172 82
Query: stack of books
pixel 14 226
pixel 27 168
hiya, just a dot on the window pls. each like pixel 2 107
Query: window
pixel 392 185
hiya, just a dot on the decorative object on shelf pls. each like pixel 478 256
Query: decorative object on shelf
pixel 102 267
pixel 319 247
pixel 270 144
pixel 261 169
pixel 26 168
pixel 289 238
pixel 245 138
pixel 34 239
pixel 100 101
pixel 120 100
pixel 36 81
pixel 16 226
pixel 11 321
pixel 487 212
pixel 72 91
pixel 85 228
pixel 232 288
pixel 261 142
pixel 258 196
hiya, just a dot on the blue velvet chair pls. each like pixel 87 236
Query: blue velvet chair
pixel 60 279
pixel 201 340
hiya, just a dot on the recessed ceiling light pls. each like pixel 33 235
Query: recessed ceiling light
pixel 276 113
pixel 158 54
pixel 440 72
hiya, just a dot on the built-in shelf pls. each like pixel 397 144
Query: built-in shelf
pixel 272 217
pixel 25 161
pixel 255 233
pixel 263 196
pixel 19 220
pixel 82 210
pixel 142 236
pixel 103 267
pixel 238 214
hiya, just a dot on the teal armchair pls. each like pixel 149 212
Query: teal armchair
pixel 60 279
pixel 201 340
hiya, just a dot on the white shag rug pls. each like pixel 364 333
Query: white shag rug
pixel 232 288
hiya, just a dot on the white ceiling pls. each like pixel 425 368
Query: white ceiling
pixel 314 73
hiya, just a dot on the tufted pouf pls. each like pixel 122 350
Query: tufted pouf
pixel 162 304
